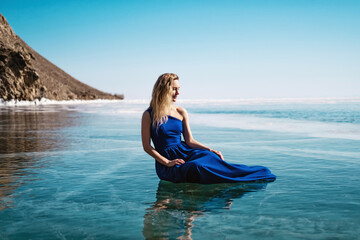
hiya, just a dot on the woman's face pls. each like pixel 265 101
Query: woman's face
pixel 175 89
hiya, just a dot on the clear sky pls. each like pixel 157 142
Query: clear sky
pixel 219 49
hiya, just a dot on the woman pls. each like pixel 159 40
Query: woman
pixel 188 161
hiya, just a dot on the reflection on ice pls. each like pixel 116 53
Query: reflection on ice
pixel 23 136
pixel 173 213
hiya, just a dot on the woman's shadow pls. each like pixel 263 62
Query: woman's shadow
pixel 177 205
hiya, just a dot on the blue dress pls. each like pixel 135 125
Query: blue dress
pixel 201 165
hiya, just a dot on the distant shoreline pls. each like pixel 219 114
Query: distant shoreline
pixel 245 101
pixel 273 100
pixel 45 101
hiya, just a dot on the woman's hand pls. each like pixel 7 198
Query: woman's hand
pixel 217 153
pixel 174 162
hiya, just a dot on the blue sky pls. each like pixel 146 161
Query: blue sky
pixel 219 49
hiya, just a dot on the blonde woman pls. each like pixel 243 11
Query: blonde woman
pixel 186 161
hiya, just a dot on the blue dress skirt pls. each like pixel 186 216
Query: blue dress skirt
pixel 201 166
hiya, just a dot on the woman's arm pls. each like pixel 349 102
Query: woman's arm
pixel 189 140
pixel 146 138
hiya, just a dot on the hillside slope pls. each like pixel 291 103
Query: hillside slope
pixel 26 75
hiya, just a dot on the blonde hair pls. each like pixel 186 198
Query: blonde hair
pixel 162 98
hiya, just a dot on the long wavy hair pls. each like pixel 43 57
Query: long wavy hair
pixel 162 98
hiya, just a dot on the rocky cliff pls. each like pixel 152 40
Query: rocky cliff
pixel 26 75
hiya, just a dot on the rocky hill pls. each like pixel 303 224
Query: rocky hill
pixel 26 75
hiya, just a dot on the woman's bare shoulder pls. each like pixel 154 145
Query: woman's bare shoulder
pixel 182 111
